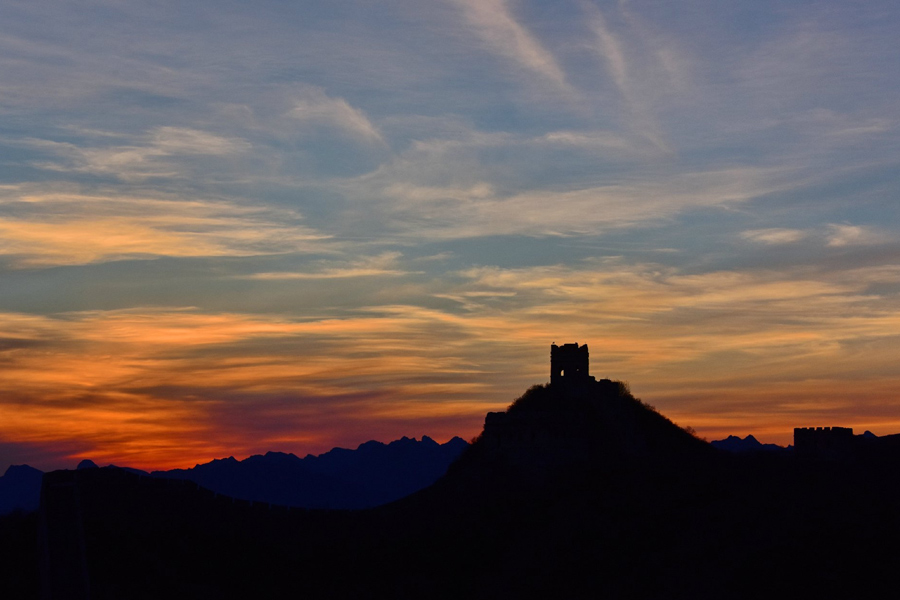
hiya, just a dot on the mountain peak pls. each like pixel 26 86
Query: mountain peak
pixel 19 471
pixel 20 488
pixel 404 441
pixel 734 443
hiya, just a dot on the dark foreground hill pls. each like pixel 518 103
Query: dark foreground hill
pixel 574 492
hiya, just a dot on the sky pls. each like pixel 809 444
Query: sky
pixel 231 227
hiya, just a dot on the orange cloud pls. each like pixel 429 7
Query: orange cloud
pixel 63 227
pixel 161 388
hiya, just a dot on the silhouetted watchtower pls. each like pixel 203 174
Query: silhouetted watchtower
pixel 569 363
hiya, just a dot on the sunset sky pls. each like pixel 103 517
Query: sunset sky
pixel 232 227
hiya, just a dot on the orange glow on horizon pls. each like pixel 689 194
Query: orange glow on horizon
pixel 155 387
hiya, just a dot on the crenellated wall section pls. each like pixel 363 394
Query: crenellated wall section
pixel 824 442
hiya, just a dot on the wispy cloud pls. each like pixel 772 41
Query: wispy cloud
pixel 315 107
pixel 154 154
pixel 855 235
pixel 634 99
pixel 495 23
pixel 774 235
pixel 384 264
pixel 610 49
pixel 43 227
pixel 597 141
pixel 479 209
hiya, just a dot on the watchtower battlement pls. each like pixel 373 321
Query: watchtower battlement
pixel 823 442
pixel 569 363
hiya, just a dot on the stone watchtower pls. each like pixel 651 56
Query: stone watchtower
pixel 569 363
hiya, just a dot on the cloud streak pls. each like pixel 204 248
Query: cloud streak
pixel 855 235
pixel 43 227
pixel 156 156
pixel 315 107
pixel 494 22
pixel 774 235
pixel 477 209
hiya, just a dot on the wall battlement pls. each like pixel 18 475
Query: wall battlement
pixel 823 442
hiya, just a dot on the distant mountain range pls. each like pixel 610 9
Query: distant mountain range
pixel 373 474
pixel 748 444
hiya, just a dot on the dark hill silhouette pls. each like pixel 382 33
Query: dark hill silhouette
pixel 576 491
pixel 629 505
pixel 561 425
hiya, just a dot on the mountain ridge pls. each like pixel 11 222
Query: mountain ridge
pixel 374 473
pixel 737 444
pixel 371 474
